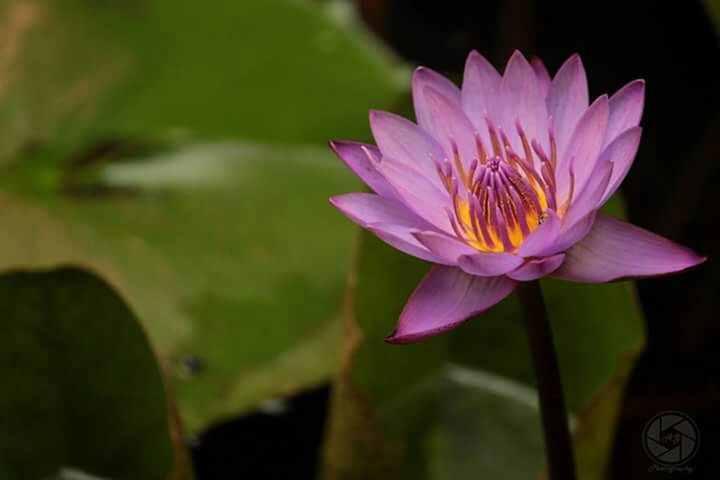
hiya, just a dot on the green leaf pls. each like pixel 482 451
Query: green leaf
pixel 146 144
pixel 81 386
pixel 594 325
pixel 236 279
pixel 276 70
pixel 483 422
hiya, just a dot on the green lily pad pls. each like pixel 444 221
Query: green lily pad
pixel 76 73
pixel 81 388
pixel 232 280
pixel 127 150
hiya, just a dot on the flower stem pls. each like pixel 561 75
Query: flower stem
pixel 558 446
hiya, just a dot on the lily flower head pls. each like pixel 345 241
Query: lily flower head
pixel 500 182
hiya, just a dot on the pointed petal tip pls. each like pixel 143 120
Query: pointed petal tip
pixel 573 63
pixel 475 57
pixel 635 88
pixel 419 74
pixel 517 56
pixel 422 70
pixel 695 259
pixel 337 145
pixel 538 63
pixel 333 200
pixel 373 114
pixel 392 338
pixel 395 339
pixel 337 202
pixel 398 338
pixel 446 298
pixel 638 83
pixel 474 54
pixel 616 250
pixel 380 115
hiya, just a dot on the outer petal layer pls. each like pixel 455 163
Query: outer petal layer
pixel 615 250
pixel 390 220
pixel 423 78
pixel 368 209
pixel 621 152
pixel 626 108
pixel 480 89
pixel 543 77
pixel 417 192
pixel 405 142
pixel 567 100
pixel 521 99
pixel 402 239
pixel 450 126
pixel 361 159
pixel 585 146
pixel 447 249
pixel 445 298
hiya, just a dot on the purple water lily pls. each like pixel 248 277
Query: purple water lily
pixel 500 182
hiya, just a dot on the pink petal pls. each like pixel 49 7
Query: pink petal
pixel 360 158
pixel 616 250
pixel 567 100
pixel 543 77
pixel 403 141
pixel 367 209
pixel 485 264
pixel 590 197
pixel 621 152
pixel 445 298
pixel 447 249
pixel 523 101
pixel 569 236
pixel 451 127
pixel 388 219
pixel 626 108
pixel 425 77
pixel 417 192
pixel 401 238
pixel 585 146
pixel 542 236
pixel 534 269
pixel 480 88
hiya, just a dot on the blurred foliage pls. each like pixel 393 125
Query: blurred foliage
pixel 392 415
pixel 713 7
pixel 276 70
pixel 81 387
pixel 126 150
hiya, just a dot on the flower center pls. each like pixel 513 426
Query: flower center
pixel 503 195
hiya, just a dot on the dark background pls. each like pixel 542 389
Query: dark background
pixel 672 190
